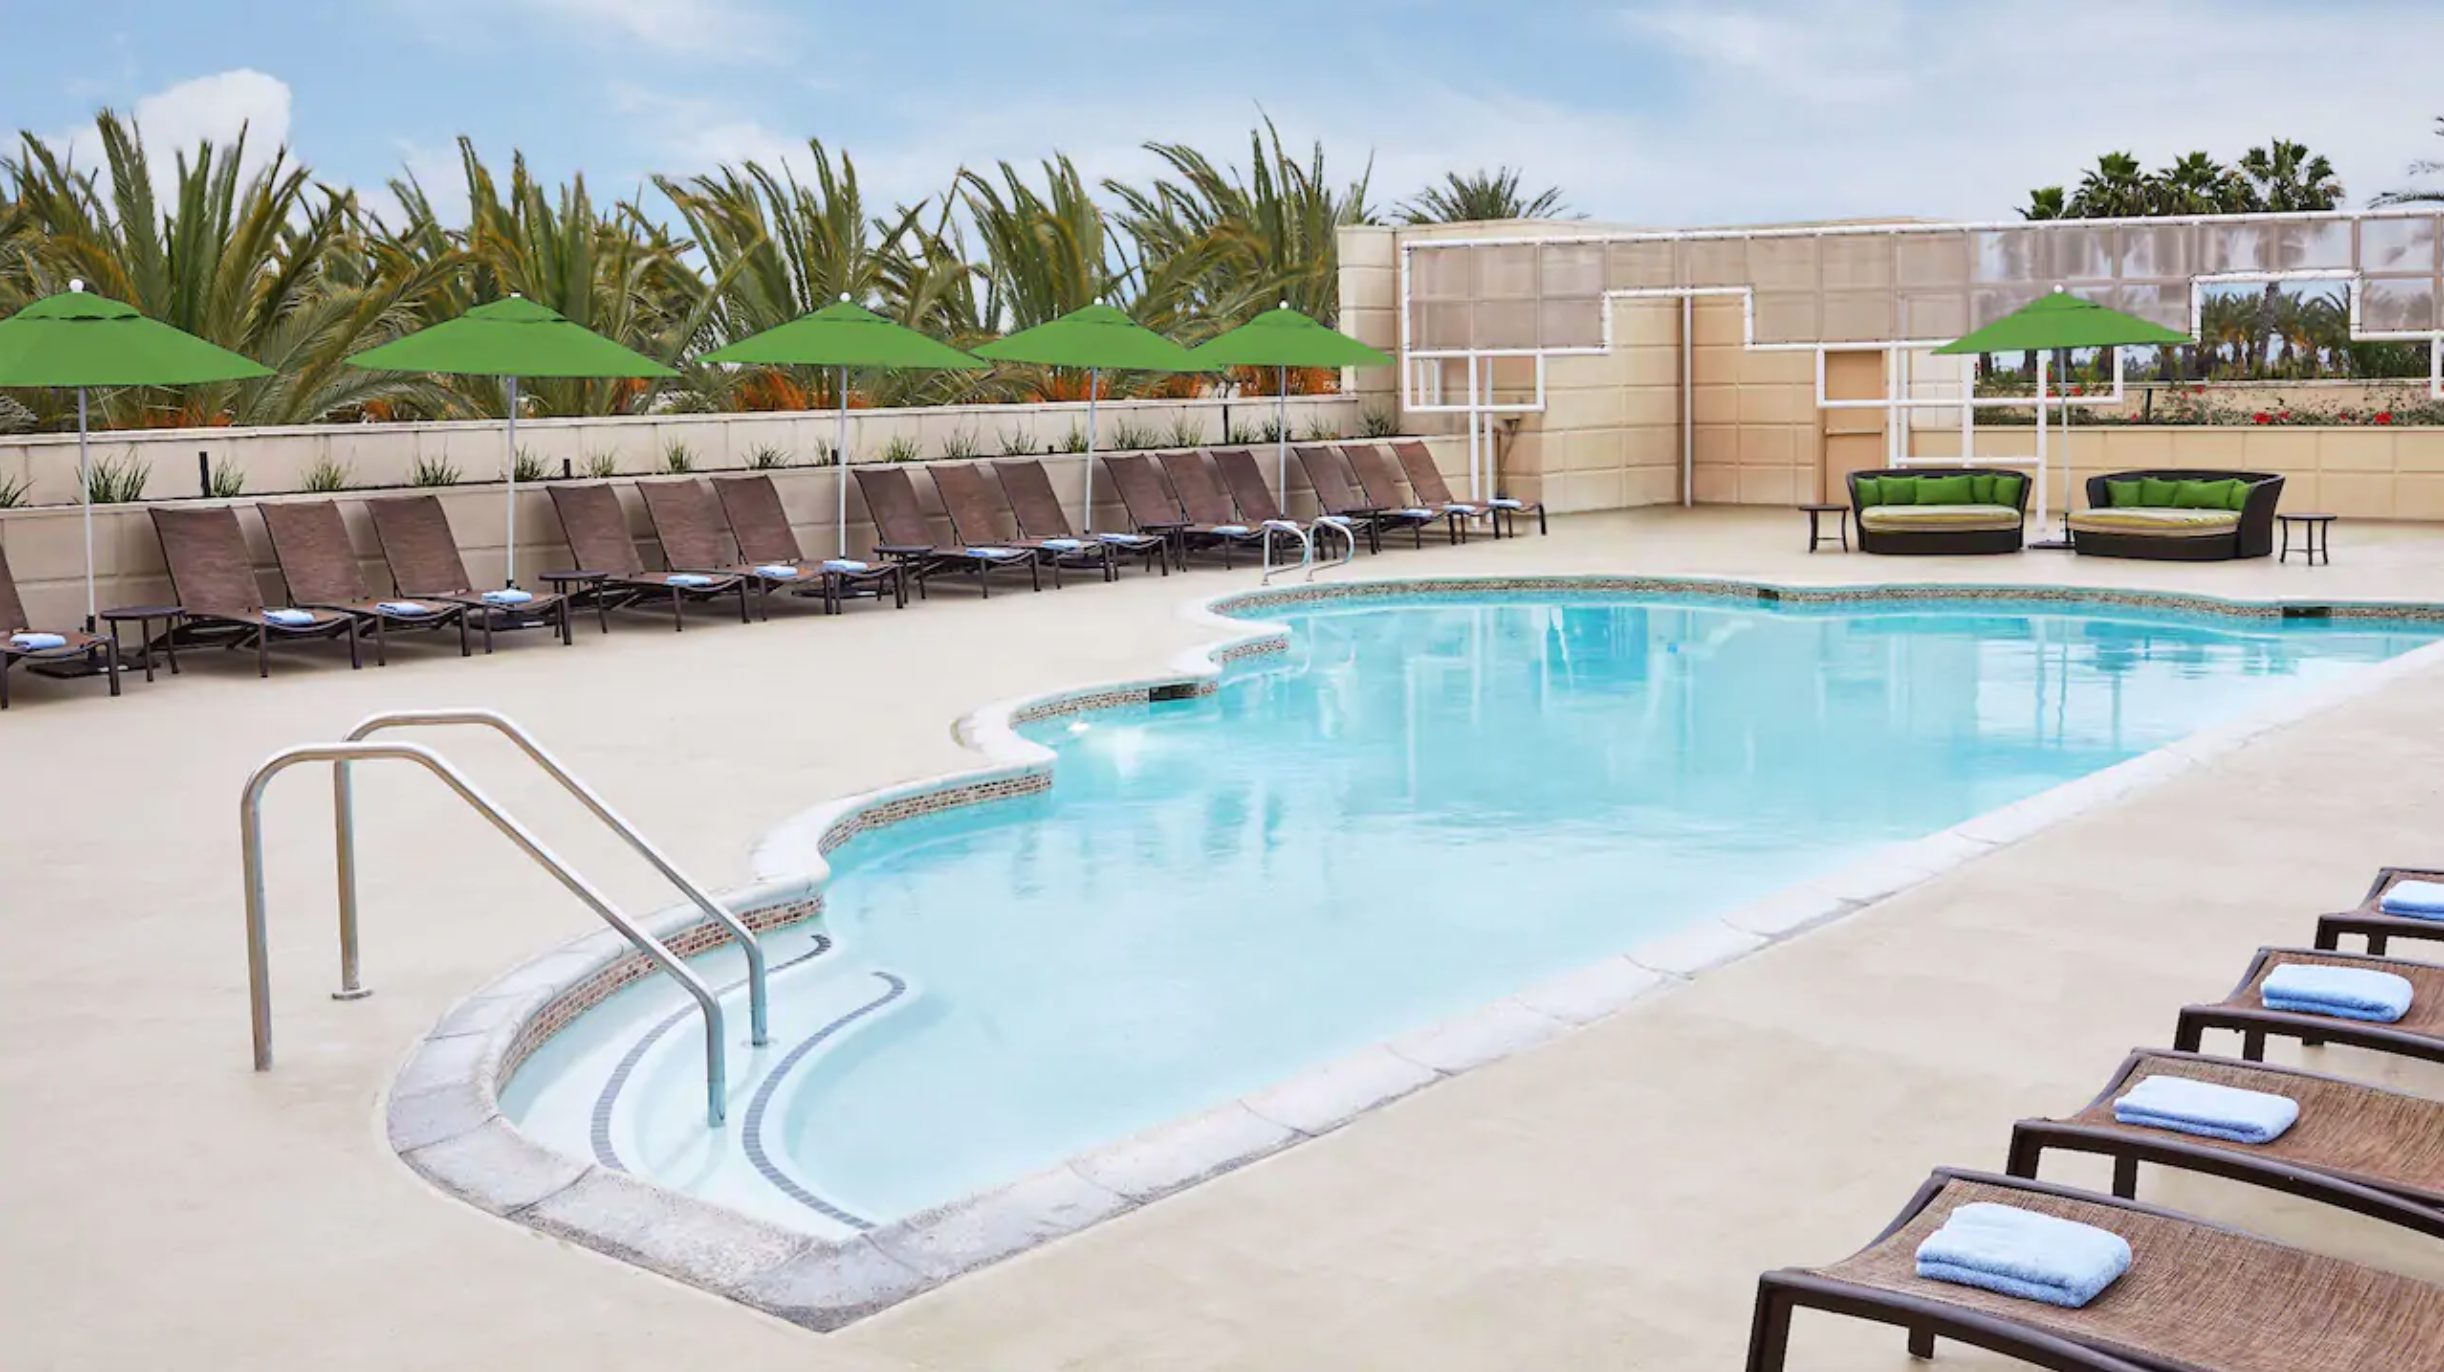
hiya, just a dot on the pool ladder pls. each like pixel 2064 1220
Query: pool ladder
pixel 1306 546
pixel 354 749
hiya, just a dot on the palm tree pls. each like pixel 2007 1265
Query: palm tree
pixel 1047 253
pixel 2286 178
pixel 2194 184
pixel 2046 202
pixel 2115 188
pixel 1481 195
pixel 2419 195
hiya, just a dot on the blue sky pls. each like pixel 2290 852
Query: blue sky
pixel 1662 112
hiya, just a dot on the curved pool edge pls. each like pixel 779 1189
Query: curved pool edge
pixel 443 1115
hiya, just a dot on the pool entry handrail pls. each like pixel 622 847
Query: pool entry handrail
pixel 343 814
pixel 258 955
pixel 1306 547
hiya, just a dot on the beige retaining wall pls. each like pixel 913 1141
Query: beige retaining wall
pixel 276 460
pixel 45 545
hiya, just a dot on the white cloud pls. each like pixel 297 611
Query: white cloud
pixel 1883 107
pixel 215 108
pixel 733 30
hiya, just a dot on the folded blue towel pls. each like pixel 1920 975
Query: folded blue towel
pixel 994 553
pixel 290 618
pixel 1064 545
pixel 778 571
pixel 2417 899
pixel 688 579
pixel 1125 538
pixel 2021 1253
pixel 37 643
pixel 844 564
pixel 2344 992
pixel 2206 1109
pixel 1337 521
pixel 1231 530
pixel 403 607
pixel 1421 512
pixel 1505 503
pixel 508 597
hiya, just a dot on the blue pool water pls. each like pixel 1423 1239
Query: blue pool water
pixel 1420 808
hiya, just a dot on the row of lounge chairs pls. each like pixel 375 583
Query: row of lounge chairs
pixel 731 540
pixel 2199 1297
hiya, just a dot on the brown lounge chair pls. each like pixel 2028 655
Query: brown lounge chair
pixel 1029 489
pixel 695 537
pixel 903 535
pixel 2369 920
pixel 2417 1034
pixel 1379 481
pixel 1205 500
pixel 979 512
pixel 598 536
pixel 318 561
pixel 75 647
pixel 1155 509
pixel 414 532
pixel 1248 490
pixel 1337 493
pixel 212 573
pixel 753 506
pixel 1427 480
pixel 2368 1136
pixel 2198 1297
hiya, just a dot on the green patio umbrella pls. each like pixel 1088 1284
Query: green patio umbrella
pixel 844 335
pixel 79 341
pixel 1283 338
pixel 509 338
pixel 2059 320
pixel 1097 338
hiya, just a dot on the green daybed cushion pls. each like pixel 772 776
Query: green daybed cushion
pixel 2240 493
pixel 2202 495
pixel 1947 490
pixel 2121 494
pixel 1870 491
pixel 2155 493
pixel 2007 487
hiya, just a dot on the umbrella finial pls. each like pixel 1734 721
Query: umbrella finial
pixel 1285 304
pixel 77 285
pixel 844 297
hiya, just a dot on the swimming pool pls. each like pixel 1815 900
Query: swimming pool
pixel 1421 807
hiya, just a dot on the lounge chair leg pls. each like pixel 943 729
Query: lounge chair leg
pixel 465 649
pixel 381 641
pixel 2187 1033
pixel 678 611
pixel 6 663
pixel 1921 1343
pixel 2125 1177
pixel 2025 1156
pixel 2253 1045
pixel 263 653
pixel 602 611
pixel 2377 944
pixel 1769 1333
pixel 1035 575
pixel 984 582
pixel 110 663
pixel 356 652
pixel 742 602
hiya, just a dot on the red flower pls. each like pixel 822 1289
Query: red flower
pixel 2261 417
pixel 2384 417
pixel 2078 390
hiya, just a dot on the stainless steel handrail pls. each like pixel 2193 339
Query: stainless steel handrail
pixel 258 954
pixel 343 814
pixel 1349 536
pixel 1306 548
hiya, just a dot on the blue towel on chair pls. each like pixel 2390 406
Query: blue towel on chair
pixel 292 619
pixel 2206 1109
pixel 688 579
pixel 1125 538
pixel 994 554
pixel 409 608
pixel 777 571
pixel 2344 992
pixel 36 643
pixel 508 597
pixel 2416 899
pixel 1064 545
pixel 2021 1253
pixel 843 564
pixel 1232 530
pixel 1506 503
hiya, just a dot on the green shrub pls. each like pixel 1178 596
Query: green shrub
pixel 602 466
pixel 226 483
pixel 1129 436
pixel 1075 440
pixel 13 490
pixel 1321 429
pixel 962 445
pixel 528 468
pixel 767 458
pixel 326 476
pixel 1379 422
pixel 677 459
pixel 117 480
pixel 433 471
pixel 1187 431
pixel 902 448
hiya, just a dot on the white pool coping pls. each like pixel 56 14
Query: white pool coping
pixel 443 1109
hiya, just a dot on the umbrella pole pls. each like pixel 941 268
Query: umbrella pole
pixel 1281 434
pixel 510 577
pixel 84 488
pixel 840 460
pixel 2044 475
pixel 1094 383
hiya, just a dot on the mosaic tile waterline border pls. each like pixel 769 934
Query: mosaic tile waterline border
pixel 444 1116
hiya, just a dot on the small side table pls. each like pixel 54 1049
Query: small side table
pixel 906 558
pixel 143 617
pixel 1841 524
pixel 2316 536
pixel 575 584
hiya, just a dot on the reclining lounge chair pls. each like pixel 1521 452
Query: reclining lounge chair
pixel 979 511
pixel 1203 497
pixel 73 646
pixel 2369 920
pixel 2419 1033
pixel 1427 480
pixel 2197 1298
pixel 1029 489
pixel 903 534
pixel 597 530
pixel 212 572
pixel 1338 495
pixel 318 561
pixel 414 532
pixel 1245 478
pixel 695 537
pixel 1156 510
pixel 761 526
pixel 1379 483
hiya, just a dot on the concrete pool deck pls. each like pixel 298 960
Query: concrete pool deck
pixel 1609 1196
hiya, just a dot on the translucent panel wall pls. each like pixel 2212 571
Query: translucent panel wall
pixel 1913 284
